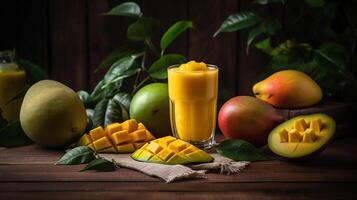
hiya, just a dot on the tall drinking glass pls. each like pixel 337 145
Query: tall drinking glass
pixel 193 102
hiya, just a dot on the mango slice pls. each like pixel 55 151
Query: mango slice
pixel 117 138
pixel 302 135
pixel 171 151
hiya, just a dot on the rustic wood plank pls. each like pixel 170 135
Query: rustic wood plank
pixel 68 40
pixel 50 173
pixel 335 164
pixel 220 51
pixel 183 191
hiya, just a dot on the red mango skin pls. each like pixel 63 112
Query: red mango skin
pixel 288 89
pixel 248 118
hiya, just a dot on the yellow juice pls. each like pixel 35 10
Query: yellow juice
pixel 12 81
pixel 193 101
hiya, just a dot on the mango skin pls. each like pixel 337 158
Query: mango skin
pixel 300 151
pixel 52 115
pixel 288 89
pixel 248 118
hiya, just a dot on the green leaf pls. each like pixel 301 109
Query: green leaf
pixel 116 111
pixel 264 46
pixel 34 72
pixel 124 99
pixel 99 112
pixel 158 69
pixel 120 68
pixel 90 114
pixel 12 135
pixel 173 32
pixel 315 3
pixel 19 95
pixel 98 93
pixel 240 150
pixel 129 9
pixel 268 27
pixel 143 29
pixel 119 78
pixel 238 21
pixel 85 98
pixel 264 2
pixel 100 164
pixel 123 51
pixel 78 155
pixel 112 81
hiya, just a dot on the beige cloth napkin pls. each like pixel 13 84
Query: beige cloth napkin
pixel 171 173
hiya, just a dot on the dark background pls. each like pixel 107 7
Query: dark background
pixel 69 38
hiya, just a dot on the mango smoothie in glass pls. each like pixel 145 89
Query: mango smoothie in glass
pixel 12 81
pixel 193 89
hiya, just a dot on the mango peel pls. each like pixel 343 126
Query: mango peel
pixel 117 138
pixel 171 151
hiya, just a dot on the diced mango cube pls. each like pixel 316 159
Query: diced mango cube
pixel 116 137
pixel 92 146
pixel 155 158
pixel 138 145
pixel 283 135
pixel 84 140
pixel 130 125
pixel 154 147
pixel 165 141
pixel 177 145
pixel 145 155
pixel 141 126
pixel 120 137
pixel 113 128
pixel 294 136
pixel 136 153
pixel 102 143
pixel 126 148
pixel 189 149
pixel 109 150
pixel 165 154
pixel 139 135
pixel 309 136
pixel 149 136
pixel 300 125
pixel 169 150
pixel 316 125
pixel 97 133
pixel 176 159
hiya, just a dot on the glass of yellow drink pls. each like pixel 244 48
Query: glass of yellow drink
pixel 12 81
pixel 193 89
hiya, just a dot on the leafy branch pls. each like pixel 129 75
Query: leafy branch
pixel 322 46
pixel 129 63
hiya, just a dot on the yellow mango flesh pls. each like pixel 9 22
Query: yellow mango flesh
pixel 171 151
pixel 117 138
pixel 302 135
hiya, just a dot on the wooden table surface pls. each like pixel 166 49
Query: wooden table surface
pixel 29 173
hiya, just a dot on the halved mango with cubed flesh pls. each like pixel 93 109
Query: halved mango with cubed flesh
pixel 117 138
pixel 169 150
pixel 302 135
